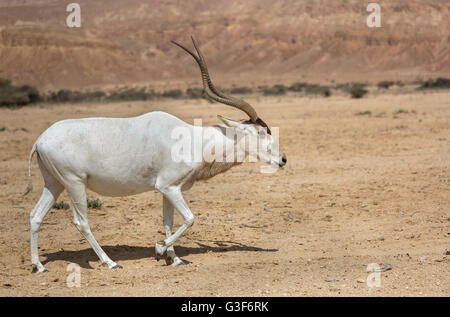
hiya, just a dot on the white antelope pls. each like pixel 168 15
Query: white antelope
pixel 128 156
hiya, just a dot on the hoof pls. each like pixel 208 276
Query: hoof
pixel 169 260
pixel 36 269
pixel 159 251
pixel 117 266
pixel 177 261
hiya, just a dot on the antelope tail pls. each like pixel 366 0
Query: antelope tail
pixel 30 185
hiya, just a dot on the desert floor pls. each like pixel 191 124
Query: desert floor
pixel 356 190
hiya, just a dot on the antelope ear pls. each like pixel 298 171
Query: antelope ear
pixel 230 123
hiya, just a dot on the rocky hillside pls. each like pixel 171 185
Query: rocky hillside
pixel 248 42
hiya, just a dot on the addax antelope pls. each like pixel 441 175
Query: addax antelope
pixel 128 156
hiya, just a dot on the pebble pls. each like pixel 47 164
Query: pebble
pixel 332 280
pixel 385 268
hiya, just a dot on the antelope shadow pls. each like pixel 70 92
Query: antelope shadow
pixel 126 252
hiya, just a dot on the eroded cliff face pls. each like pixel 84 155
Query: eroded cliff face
pixel 252 42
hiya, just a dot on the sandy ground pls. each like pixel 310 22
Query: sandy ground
pixel 357 189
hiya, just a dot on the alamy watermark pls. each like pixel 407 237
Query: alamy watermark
pixel 74 278
pixel 73 20
pixel 374 277
pixel 374 18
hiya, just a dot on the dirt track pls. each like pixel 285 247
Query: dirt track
pixel 357 189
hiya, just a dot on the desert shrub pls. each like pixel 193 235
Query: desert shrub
pixel 348 86
pixel 58 96
pixel 275 90
pixel 363 113
pixel 31 92
pixel 317 90
pixel 121 94
pixel 61 205
pixel 438 83
pixel 297 87
pixel 66 95
pixel 194 93
pixel 94 95
pixel 94 203
pixel 241 90
pixel 91 203
pixel 310 89
pixel 326 92
pixel 173 93
pixel 385 84
pixel 11 95
pixel 358 92
pixel 129 94
pixel 4 82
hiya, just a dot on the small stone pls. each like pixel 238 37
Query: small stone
pixel 332 280
pixel 422 259
pixel 381 238
pixel 385 268
pixel 360 280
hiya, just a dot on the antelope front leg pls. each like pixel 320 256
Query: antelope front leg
pixel 175 198
pixel 172 258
